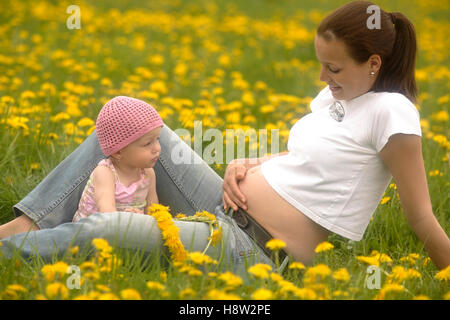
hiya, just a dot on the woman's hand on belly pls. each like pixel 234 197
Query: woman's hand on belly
pixel 235 172
pixel 232 195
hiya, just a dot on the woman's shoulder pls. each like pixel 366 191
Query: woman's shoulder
pixel 392 101
pixel 390 98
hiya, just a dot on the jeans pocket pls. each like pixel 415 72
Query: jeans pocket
pixel 247 250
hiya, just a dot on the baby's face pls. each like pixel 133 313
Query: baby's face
pixel 144 152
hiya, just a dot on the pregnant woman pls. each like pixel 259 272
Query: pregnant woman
pixel 363 130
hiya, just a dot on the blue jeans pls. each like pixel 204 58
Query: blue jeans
pixel 185 188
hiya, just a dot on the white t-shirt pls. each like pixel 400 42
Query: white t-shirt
pixel 333 173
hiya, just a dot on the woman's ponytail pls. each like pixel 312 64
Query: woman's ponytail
pixel 398 69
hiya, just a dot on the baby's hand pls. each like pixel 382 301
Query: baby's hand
pixel 134 210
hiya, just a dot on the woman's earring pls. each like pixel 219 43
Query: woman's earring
pixel 372 73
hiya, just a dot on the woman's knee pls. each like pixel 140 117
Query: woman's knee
pixel 124 229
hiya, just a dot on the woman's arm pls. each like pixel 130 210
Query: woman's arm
pixel 152 197
pixel 235 171
pixel 403 156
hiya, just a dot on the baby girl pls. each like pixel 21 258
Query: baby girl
pixel 128 131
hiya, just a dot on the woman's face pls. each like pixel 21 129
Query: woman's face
pixel 346 78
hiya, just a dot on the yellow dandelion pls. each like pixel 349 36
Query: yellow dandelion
pixel 441 116
pixel 103 288
pixel 324 246
pixel 305 294
pixel 262 294
pixel 320 270
pixel 130 294
pixel 101 245
pixel 433 173
pixel 275 244
pixel 163 276
pixel 230 279
pixel 260 85
pixel 260 270
pixel 268 108
pixel 205 214
pixel 49 272
pixel 247 98
pixel 443 275
pixel 340 293
pixel 154 285
pixel 216 294
pixel 169 231
pixel 16 288
pixel 88 265
pixel 74 250
pixel 195 272
pixel 385 200
pixel 297 265
pixel 200 258
pixel 85 122
pixel 159 87
pixel 187 293
pixel 61 268
pixel 375 258
pixel 393 287
pixel 82 297
pixel 341 275
pixel 56 290
pixel 216 236
pixel 276 277
pixel 93 276
pixel 110 296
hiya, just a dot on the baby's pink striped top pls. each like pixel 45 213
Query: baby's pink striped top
pixel 133 196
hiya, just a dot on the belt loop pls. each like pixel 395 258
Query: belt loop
pixel 229 212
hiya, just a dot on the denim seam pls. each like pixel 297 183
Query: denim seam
pixel 175 181
pixel 25 210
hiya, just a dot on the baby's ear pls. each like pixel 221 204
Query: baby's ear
pixel 117 155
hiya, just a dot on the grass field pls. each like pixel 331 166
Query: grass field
pixel 230 64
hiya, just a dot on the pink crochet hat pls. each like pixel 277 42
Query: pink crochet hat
pixel 123 120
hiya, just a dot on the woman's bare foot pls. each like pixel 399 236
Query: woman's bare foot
pixel 18 225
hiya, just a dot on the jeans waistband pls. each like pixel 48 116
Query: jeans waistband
pixel 257 232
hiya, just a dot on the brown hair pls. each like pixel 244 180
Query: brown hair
pixel 394 41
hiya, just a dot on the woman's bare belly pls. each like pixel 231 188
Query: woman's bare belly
pixel 282 220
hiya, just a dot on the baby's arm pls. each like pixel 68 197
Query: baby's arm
pixel 104 186
pixel 152 197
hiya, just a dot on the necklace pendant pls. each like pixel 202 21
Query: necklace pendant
pixel 337 111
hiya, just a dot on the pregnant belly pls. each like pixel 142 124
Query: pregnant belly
pixel 281 219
